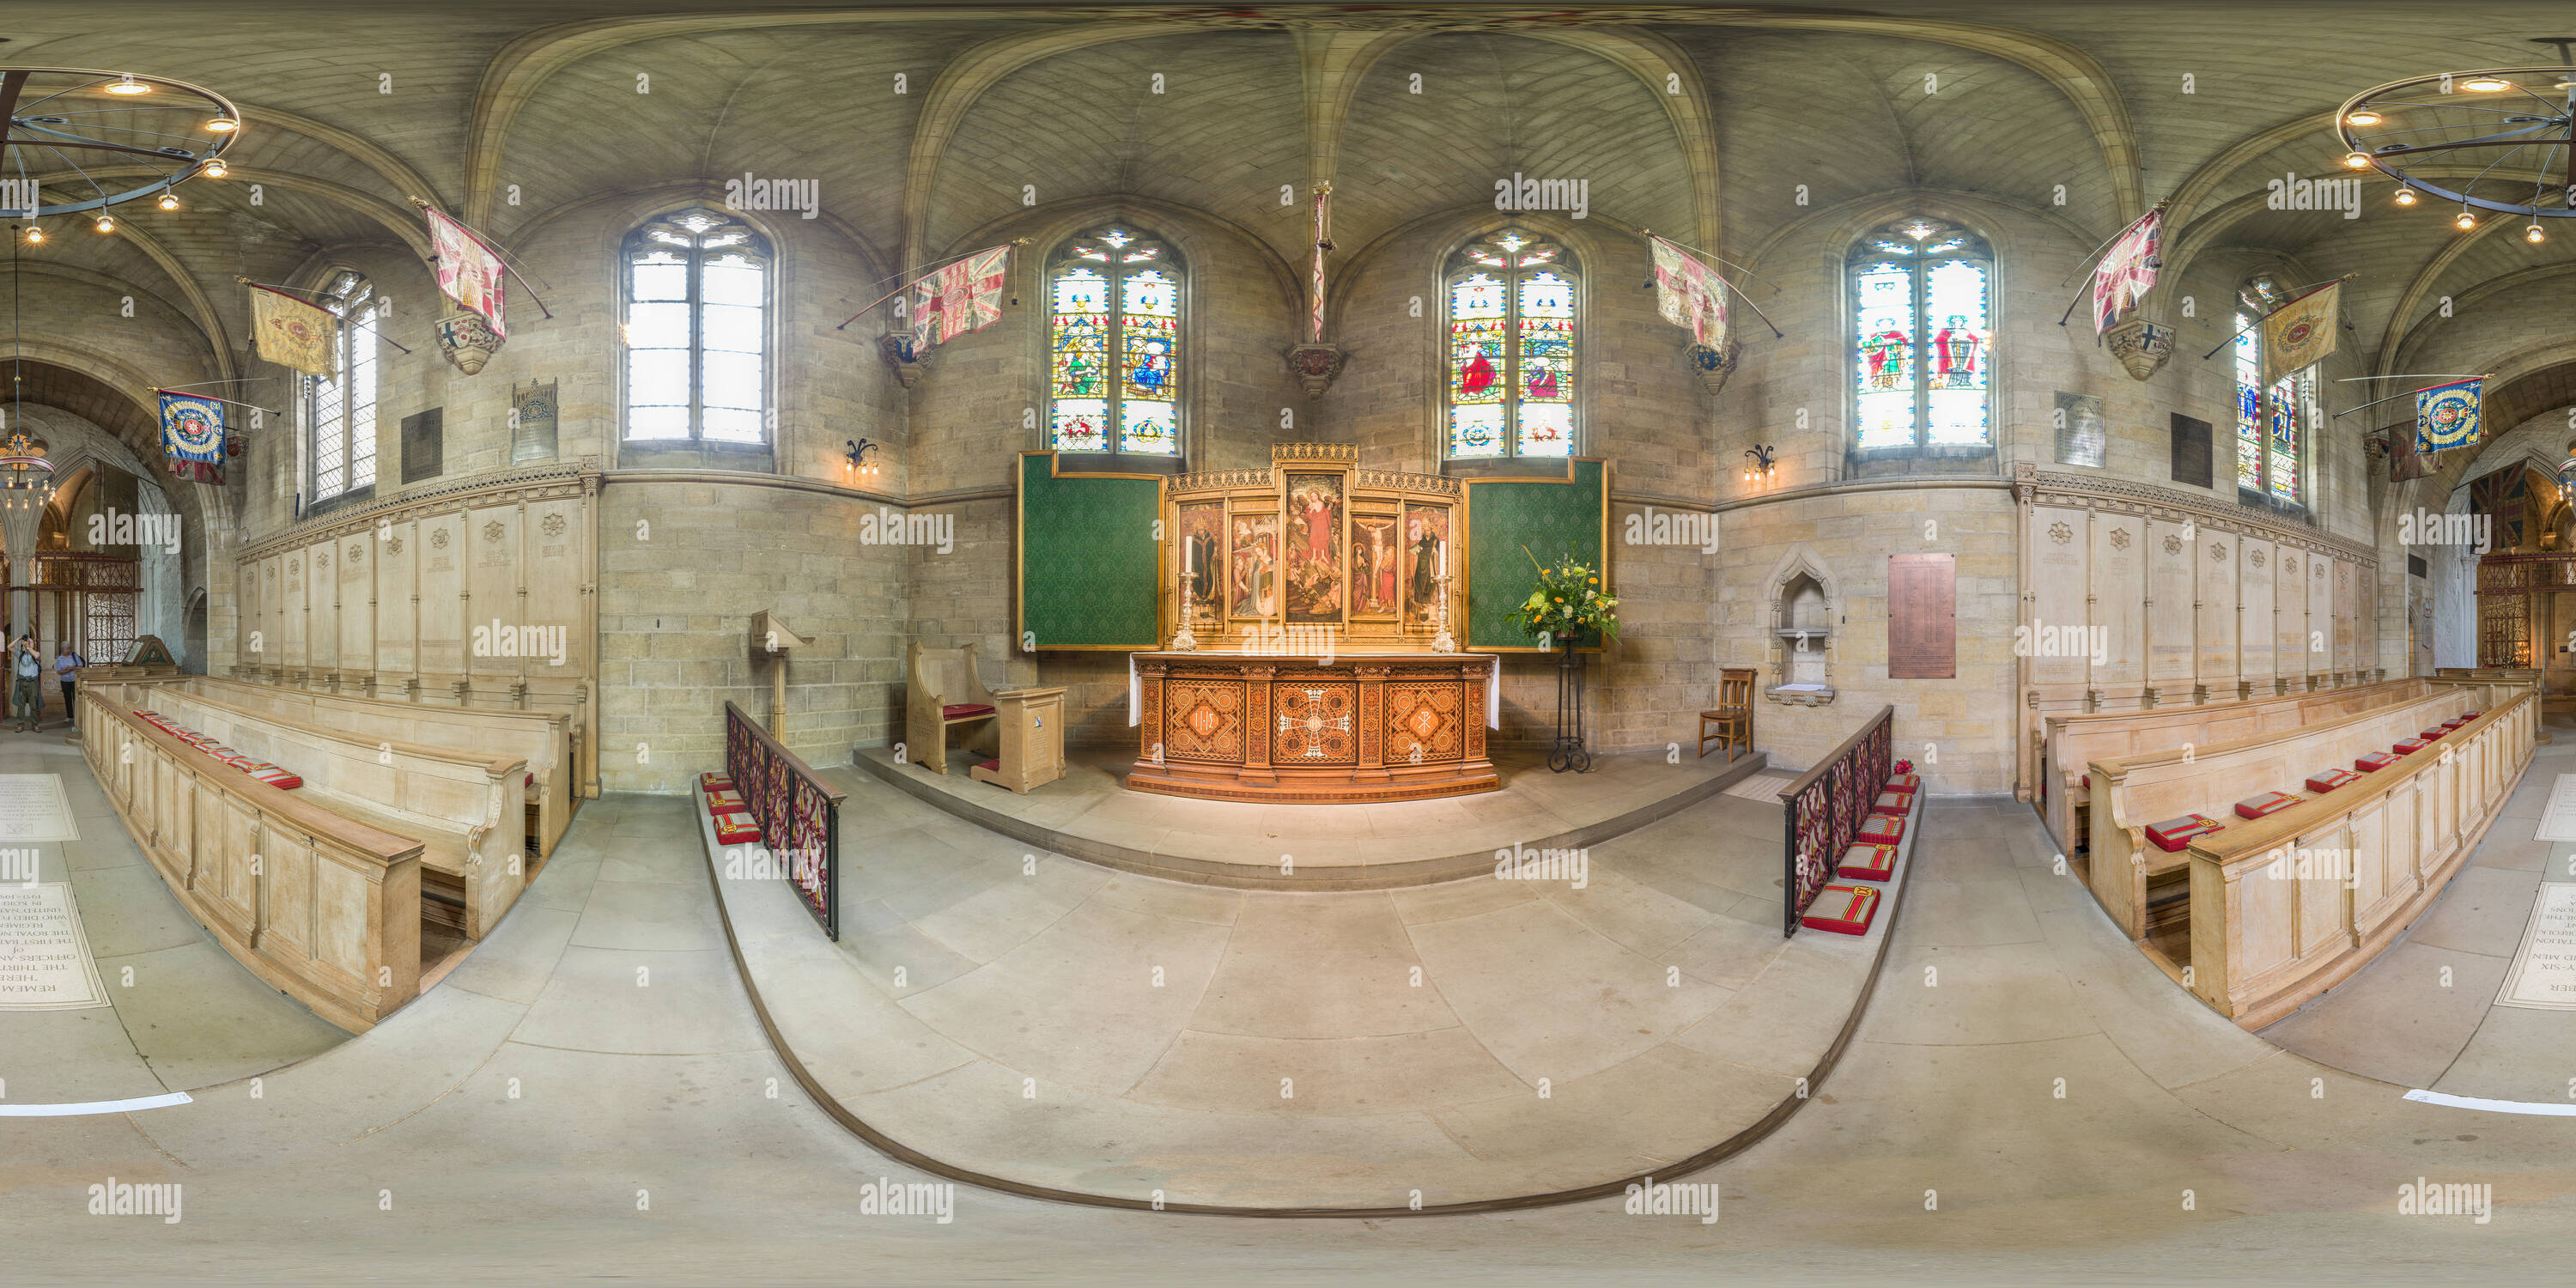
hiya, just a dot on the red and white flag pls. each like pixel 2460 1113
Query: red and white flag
pixel 2128 270
pixel 1689 295
pixel 468 272
pixel 964 296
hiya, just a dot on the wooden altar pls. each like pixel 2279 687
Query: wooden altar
pixel 1315 729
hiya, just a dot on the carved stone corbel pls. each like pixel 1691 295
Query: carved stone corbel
pixel 1315 365
pixel 896 348
pixel 2140 345
pixel 1715 365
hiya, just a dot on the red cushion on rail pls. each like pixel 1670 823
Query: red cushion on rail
pixel 2175 833
pixel 1868 863
pixel 2267 803
pixel 1842 909
pixel 2330 779
pixel 2374 762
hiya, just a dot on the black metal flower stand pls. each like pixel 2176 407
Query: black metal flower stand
pixel 1568 752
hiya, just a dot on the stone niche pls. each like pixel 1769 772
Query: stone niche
pixel 1803 626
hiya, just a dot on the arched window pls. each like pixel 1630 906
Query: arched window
pixel 1511 348
pixel 2271 424
pixel 1922 326
pixel 341 407
pixel 1114 344
pixel 697 329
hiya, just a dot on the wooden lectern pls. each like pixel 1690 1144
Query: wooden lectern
pixel 770 635
pixel 1032 727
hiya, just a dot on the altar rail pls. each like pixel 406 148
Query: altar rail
pixel 321 907
pixel 1824 808
pixel 2272 925
pixel 799 816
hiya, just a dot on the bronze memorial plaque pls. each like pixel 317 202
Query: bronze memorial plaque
pixel 1922 617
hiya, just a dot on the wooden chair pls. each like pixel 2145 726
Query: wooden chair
pixel 1733 714
pixel 945 692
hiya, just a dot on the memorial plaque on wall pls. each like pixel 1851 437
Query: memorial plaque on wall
pixel 1922 617
pixel 424 440
pixel 2190 451
pixel 2081 434
pixel 532 422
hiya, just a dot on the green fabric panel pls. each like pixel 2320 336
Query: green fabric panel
pixel 1087 559
pixel 1553 519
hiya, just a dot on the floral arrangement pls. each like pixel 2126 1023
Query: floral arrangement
pixel 1568 603
pixel 1904 767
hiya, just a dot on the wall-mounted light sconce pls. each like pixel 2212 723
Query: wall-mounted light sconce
pixel 1761 464
pixel 857 462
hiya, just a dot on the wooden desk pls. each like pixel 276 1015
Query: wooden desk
pixel 1302 729
pixel 1031 723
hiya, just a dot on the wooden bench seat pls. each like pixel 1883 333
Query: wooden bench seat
pixel 2070 743
pixel 465 808
pixel 542 738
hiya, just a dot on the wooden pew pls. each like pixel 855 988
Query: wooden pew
pixel 2071 743
pixel 2130 875
pixel 2272 926
pixel 322 908
pixel 542 738
pixel 463 807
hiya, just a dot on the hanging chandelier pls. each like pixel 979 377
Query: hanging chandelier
pixel 80 143
pixel 26 477
pixel 2499 139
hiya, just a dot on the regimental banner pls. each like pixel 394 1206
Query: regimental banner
pixel 964 296
pixel 293 333
pixel 2124 274
pixel 2406 458
pixel 468 272
pixel 2448 415
pixel 1689 295
pixel 192 435
pixel 2300 334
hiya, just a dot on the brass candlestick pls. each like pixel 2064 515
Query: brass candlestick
pixel 1440 640
pixel 1182 640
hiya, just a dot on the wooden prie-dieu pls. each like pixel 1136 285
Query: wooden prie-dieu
pixel 1314 729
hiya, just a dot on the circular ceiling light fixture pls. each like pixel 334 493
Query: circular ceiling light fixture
pixel 2504 146
pixel 80 141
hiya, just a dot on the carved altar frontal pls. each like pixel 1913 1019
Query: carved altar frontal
pixel 1313 729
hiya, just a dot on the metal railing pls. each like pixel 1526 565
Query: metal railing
pixel 1824 808
pixel 799 816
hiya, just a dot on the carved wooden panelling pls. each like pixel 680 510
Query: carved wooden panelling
pixel 1429 716
pixel 2258 562
pixel 1204 719
pixel 2057 577
pixel 1922 617
pixel 2171 623
pixel 2120 597
pixel 2290 613
pixel 2214 560
pixel 1317 723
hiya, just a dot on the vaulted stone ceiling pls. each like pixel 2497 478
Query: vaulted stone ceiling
pixel 1701 121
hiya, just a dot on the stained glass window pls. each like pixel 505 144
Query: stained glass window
pixel 1922 337
pixel 341 407
pixel 697 333
pixel 2271 424
pixel 1512 330
pixel 1114 344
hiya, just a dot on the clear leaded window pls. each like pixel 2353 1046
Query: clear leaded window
pixel 341 407
pixel 697 329
pixel 1114 344
pixel 1511 348
pixel 1923 322
pixel 2271 424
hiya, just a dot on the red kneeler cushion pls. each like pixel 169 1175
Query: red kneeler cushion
pixel 2374 762
pixel 1868 863
pixel 1906 783
pixel 2433 734
pixel 2409 746
pixel 1893 803
pixel 963 711
pixel 736 829
pixel 2267 803
pixel 2455 722
pixel 1842 909
pixel 2471 715
pixel 2175 833
pixel 2328 780
pixel 1880 829
pixel 724 802
pixel 276 777
pixel 715 782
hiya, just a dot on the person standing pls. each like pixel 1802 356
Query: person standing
pixel 23 669
pixel 66 661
